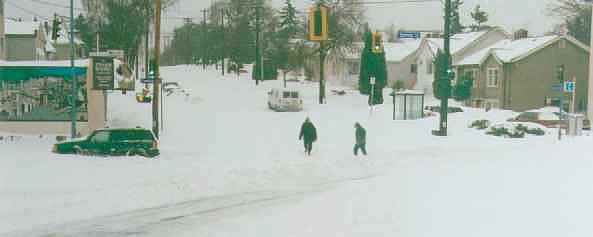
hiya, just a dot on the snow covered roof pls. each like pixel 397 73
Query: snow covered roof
pixel 458 41
pixel 45 63
pixel 21 27
pixel 507 51
pixel 394 51
pixel 398 51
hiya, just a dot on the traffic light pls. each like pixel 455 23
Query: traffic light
pixel 318 23
pixel 560 73
pixel 56 29
pixel 377 43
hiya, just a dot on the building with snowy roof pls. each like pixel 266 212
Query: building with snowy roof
pixel 462 45
pixel 399 56
pixel 24 41
pixel 519 73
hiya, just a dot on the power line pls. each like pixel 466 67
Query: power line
pixel 56 5
pixel 27 10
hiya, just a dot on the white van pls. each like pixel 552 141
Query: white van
pixel 285 100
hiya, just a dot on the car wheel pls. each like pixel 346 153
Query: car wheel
pixel 77 150
pixel 131 152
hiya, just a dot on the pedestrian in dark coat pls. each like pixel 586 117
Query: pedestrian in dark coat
pixel 308 134
pixel 361 139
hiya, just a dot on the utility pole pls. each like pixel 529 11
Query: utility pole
pixel 157 78
pixel 321 73
pixel 257 49
pixel 73 76
pixel 560 74
pixel 188 23
pixel 146 53
pixel 446 74
pixel 204 31
pixel 222 11
pixel 590 83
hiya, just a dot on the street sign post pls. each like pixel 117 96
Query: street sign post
pixel 372 98
pixel 408 35
pixel 569 86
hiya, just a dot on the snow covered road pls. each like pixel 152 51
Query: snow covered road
pixel 230 167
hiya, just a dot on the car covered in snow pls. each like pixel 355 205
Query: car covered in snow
pixel 112 142
pixel 547 116
pixel 285 100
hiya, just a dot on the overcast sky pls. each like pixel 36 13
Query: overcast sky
pixel 511 14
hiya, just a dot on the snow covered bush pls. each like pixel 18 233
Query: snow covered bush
pixel 480 124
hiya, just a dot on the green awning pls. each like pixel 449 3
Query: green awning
pixel 12 73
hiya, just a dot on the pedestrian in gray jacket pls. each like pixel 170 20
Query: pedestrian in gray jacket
pixel 361 139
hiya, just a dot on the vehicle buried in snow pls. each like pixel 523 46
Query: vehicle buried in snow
pixel 285 100
pixel 112 142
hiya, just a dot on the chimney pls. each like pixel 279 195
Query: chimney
pixel 520 34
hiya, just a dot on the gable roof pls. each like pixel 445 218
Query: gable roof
pixel 400 50
pixel 462 41
pixel 21 27
pixel 509 51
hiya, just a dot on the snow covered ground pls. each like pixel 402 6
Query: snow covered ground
pixel 231 167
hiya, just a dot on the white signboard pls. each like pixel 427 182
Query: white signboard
pixel 372 80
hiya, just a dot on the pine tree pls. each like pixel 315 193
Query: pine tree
pixel 479 17
pixel 440 87
pixel 372 65
pixel 463 89
pixel 456 26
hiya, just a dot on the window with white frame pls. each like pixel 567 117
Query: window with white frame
pixel 492 77
pixel 474 74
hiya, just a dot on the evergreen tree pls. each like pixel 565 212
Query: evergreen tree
pixel 372 65
pixel 287 50
pixel 456 26
pixel 479 17
pixel 440 87
pixel 463 89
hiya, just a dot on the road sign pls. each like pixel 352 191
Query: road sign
pixel 556 87
pixel 103 73
pixel 408 35
pixel 569 86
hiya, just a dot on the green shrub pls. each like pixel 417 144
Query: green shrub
pixel 499 132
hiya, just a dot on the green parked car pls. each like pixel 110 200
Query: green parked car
pixel 112 142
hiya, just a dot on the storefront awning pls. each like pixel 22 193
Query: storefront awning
pixel 26 70
pixel 27 73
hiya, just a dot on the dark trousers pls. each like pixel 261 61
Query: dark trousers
pixel 308 147
pixel 361 147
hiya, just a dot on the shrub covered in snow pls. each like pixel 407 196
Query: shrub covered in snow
pixel 480 124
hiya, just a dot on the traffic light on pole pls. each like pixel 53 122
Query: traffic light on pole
pixel 56 29
pixel 377 43
pixel 560 73
pixel 318 23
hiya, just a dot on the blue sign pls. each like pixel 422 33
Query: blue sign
pixel 556 87
pixel 569 86
pixel 408 35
